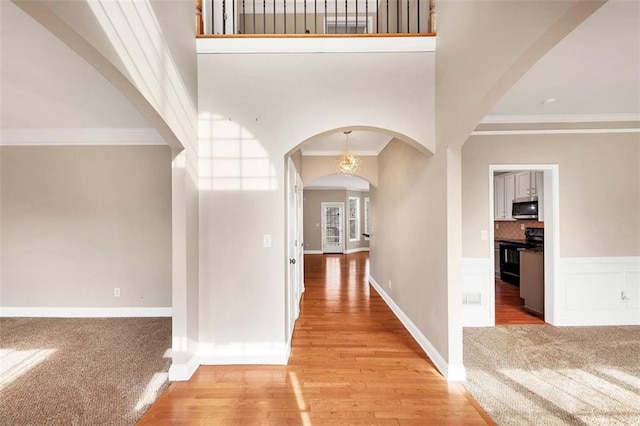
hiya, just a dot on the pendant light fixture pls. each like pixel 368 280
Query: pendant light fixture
pixel 348 163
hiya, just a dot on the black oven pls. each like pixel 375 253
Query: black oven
pixel 510 256
pixel 510 262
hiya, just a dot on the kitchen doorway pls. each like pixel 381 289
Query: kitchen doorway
pixel 505 293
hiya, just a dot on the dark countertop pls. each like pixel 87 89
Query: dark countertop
pixel 508 240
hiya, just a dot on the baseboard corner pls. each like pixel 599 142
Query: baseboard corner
pixel 180 372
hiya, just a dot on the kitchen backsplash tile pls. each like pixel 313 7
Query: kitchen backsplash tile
pixel 511 229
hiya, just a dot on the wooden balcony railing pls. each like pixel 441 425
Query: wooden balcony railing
pixel 314 17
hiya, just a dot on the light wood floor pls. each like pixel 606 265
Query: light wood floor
pixel 352 362
pixel 510 307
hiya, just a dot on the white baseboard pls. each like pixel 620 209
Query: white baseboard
pixel 350 251
pixel 356 250
pixel 453 372
pixel 84 312
pixel 243 354
pixel 183 372
pixel 478 289
pixel 591 290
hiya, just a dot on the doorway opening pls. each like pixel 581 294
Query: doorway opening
pixel 332 228
pixel 524 249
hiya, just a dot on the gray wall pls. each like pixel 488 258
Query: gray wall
pixel 408 238
pixel 313 200
pixel 599 189
pixel 79 221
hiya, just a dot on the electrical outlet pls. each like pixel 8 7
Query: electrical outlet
pixel 116 291
pixel 483 235
pixel 389 284
pixel 497 226
pixel 522 226
pixel 266 240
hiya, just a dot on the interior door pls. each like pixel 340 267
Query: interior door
pixel 300 236
pixel 332 224
pixel 293 242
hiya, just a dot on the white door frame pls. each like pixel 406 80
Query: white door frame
pixel 551 207
pixel 323 207
pixel 293 247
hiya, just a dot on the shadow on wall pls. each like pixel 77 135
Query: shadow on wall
pixel 231 158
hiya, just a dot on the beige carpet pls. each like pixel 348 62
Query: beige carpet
pixel 81 371
pixel 544 375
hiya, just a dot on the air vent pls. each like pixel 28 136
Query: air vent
pixel 472 299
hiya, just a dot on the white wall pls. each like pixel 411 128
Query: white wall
pixel 254 109
pixel 78 222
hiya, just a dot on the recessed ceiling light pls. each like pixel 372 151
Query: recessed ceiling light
pixel 549 101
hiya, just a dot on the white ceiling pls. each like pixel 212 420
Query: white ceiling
pixel 362 142
pixel 337 181
pixel 44 84
pixel 595 70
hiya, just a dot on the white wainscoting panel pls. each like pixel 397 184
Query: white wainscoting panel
pixel 599 291
pixel 478 290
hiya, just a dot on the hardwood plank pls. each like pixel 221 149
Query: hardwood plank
pixel 352 362
pixel 510 307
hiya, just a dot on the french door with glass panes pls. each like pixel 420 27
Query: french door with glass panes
pixel 332 224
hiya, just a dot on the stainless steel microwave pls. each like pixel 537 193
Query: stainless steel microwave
pixel 525 209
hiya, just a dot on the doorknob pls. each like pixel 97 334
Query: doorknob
pixel 292 261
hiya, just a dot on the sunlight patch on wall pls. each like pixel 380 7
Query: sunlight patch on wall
pixel 136 36
pixel 14 363
pixel 231 158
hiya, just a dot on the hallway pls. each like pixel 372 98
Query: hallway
pixel 352 362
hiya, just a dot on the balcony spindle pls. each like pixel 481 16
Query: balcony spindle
pixel 335 18
pixel 315 16
pixel 224 16
pixel 325 12
pixel 346 13
pixel 274 16
pixel 408 18
pixel 295 17
pixel 253 10
pixel 284 17
pixel 418 16
pixel 397 16
pixel 387 16
pixel 233 13
pixel 356 16
pixel 264 16
pixel 366 12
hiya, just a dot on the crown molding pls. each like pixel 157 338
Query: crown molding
pixel 80 136
pixel 334 188
pixel 563 118
pixel 338 153
pixel 550 131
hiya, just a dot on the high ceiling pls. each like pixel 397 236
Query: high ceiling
pixel 44 84
pixel 361 141
pixel 595 70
